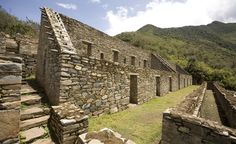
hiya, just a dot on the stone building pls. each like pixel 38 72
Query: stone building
pixel 99 73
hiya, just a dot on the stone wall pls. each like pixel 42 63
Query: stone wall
pixel 23 47
pixel 182 125
pixel 97 85
pixel 67 122
pixel 82 34
pixel 2 43
pixel 48 59
pixel 227 101
pixel 10 85
pixel 28 65
pixel 181 128
pixel 104 87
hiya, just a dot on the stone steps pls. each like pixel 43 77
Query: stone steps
pixel 33 116
pixel 44 141
pixel 30 99
pixel 32 134
pixel 33 112
pixel 35 122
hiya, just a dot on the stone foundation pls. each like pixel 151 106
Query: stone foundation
pixel 67 122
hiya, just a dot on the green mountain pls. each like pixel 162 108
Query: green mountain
pixel 208 52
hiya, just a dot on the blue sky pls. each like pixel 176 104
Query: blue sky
pixel 116 16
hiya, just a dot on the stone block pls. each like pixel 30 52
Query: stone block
pixel 10 79
pixel 9 124
pixel 114 110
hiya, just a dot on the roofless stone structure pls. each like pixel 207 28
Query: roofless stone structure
pixel 99 73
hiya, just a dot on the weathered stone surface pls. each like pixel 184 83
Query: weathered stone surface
pixel 33 112
pixel 10 67
pixel 32 134
pixel 10 79
pixel 27 124
pixel 44 141
pixel 104 136
pixel 9 124
pixel 30 99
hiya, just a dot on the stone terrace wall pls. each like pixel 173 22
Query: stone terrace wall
pixel 227 101
pixel 10 85
pixel 192 103
pixel 181 128
pixel 103 87
pixel 181 125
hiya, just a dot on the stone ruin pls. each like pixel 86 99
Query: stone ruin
pixel 83 72
pixel 197 121
pixel 99 73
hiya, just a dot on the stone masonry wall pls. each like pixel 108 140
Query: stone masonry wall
pixel 102 43
pixel 181 128
pixel 181 125
pixel 48 62
pixel 10 85
pixel 103 87
pixel 227 101
pixel 28 65
pixel 96 85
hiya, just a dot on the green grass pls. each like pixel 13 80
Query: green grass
pixel 143 123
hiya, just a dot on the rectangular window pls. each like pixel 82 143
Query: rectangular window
pixel 89 50
pixel 145 63
pixel 115 56
pixel 133 60
pixel 102 56
pixel 89 47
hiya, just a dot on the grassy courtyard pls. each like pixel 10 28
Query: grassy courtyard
pixel 142 123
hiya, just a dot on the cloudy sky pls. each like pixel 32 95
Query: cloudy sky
pixel 116 16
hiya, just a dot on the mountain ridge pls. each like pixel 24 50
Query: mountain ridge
pixel 211 47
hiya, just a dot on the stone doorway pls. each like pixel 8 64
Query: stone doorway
pixel 158 85
pixel 134 89
pixel 170 83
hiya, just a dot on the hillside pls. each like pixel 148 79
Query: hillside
pixel 208 51
pixel 11 25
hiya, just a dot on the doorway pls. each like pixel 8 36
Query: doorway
pixel 133 89
pixel 158 86
pixel 170 83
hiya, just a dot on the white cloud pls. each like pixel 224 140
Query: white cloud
pixel 95 1
pixel 171 13
pixel 67 6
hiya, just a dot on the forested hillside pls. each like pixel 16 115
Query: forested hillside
pixel 208 52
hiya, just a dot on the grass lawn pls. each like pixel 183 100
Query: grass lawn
pixel 143 123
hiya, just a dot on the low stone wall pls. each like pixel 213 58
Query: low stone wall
pixel 181 128
pixel 227 101
pixel 181 125
pixel 192 103
pixel 28 65
pixel 67 122
pixel 10 85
